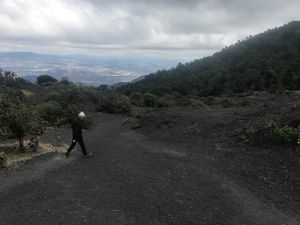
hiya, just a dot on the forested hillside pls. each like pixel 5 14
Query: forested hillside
pixel 267 61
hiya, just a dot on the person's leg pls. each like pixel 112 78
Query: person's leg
pixel 71 147
pixel 82 145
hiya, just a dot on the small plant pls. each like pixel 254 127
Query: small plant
pixel 133 123
pixel 248 133
pixel 3 160
pixel 285 134
pixel 138 117
pixel 298 139
pixel 33 144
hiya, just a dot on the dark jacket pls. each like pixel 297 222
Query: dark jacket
pixel 77 129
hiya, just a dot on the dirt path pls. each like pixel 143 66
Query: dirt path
pixel 131 180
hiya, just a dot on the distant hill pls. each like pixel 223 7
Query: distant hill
pixel 90 70
pixel 267 61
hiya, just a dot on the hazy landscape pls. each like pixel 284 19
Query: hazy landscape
pixel 88 70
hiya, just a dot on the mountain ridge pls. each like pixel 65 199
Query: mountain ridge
pixel 268 60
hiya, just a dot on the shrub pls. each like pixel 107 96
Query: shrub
pixel 286 134
pixel 133 123
pixel 45 80
pixel 33 144
pixel 20 119
pixel 138 117
pixel 3 160
pixel 137 99
pixel 114 103
pixel 248 134
pixel 150 100
pixel 51 111
pixel 168 100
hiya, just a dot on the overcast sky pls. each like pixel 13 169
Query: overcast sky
pixel 169 28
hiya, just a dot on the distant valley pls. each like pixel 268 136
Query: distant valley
pixel 88 70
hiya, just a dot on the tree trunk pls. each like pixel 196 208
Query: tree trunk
pixel 21 143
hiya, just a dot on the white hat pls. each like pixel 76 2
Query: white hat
pixel 81 114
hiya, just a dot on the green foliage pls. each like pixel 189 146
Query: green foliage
pixel 284 134
pixel 33 144
pixel 268 61
pixel 138 117
pixel 132 122
pixel 150 100
pixel 50 112
pixel 19 118
pixel 12 95
pixel 248 134
pixel 3 160
pixel 114 103
pixel 137 99
pixel 10 79
pixel 45 80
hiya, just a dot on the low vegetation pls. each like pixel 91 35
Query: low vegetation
pixel 26 109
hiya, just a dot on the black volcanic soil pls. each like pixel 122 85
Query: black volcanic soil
pixel 187 166
pixel 270 170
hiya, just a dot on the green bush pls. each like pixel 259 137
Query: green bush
pixel 248 134
pixel 3 160
pixel 132 122
pixel 138 117
pixel 33 144
pixel 137 99
pixel 20 119
pixel 114 103
pixel 45 80
pixel 286 134
pixel 150 100
pixel 51 112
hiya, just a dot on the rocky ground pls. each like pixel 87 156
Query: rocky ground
pixel 184 166
pixel 239 142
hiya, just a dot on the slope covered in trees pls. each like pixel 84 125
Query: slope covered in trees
pixel 267 61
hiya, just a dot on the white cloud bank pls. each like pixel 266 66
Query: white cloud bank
pixel 170 28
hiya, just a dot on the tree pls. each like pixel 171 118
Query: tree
pixel 18 118
pixel 263 62
pixel 45 80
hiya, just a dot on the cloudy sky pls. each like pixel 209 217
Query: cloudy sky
pixel 169 28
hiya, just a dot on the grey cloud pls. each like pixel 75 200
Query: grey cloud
pixel 138 26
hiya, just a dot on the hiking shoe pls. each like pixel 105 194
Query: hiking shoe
pixel 67 154
pixel 89 155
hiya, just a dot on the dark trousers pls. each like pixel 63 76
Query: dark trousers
pixel 81 143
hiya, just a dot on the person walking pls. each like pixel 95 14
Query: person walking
pixel 77 136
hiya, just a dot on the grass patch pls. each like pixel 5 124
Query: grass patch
pixel 14 159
